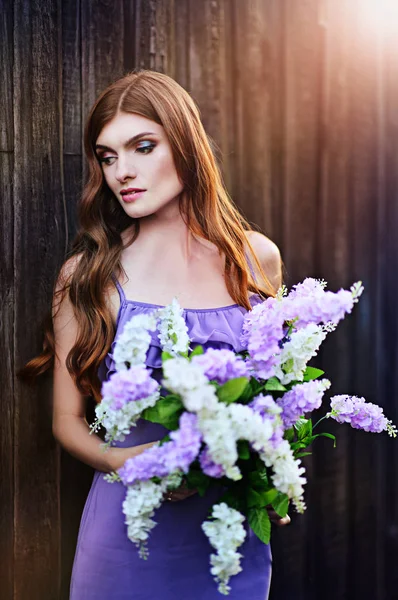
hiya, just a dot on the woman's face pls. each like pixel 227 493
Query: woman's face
pixel 138 165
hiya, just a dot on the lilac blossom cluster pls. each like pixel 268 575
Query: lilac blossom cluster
pixel 360 414
pixel 173 331
pixel 208 466
pixel 142 499
pixel 301 399
pixel 264 341
pixel 269 409
pixel 330 306
pixel 127 386
pixel 221 365
pixel 132 344
pixel 270 331
pixel 124 396
pixel 226 533
pixel 160 461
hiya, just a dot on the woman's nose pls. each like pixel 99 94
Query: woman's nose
pixel 124 170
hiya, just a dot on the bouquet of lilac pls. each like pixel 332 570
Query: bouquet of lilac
pixel 236 419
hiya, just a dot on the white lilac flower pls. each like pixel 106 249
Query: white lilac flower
pixel 360 414
pixel 287 474
pixel 188 379
pixel 173 331
pixel 251 426
pixel 302 398
pixel 132 344
pixel 118 423
pixel 226 533
pixel 225 426
pixel 297 351
pixel 220 438
pixel 142 499
pixel 270 410
pixel 181 376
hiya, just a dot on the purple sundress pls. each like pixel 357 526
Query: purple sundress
pixel 106 564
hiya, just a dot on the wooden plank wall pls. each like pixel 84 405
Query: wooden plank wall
pixel 299 98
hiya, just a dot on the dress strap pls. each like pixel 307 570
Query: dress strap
pixel 119 289
pixel 250 265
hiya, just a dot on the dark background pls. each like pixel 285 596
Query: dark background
pixel 301 98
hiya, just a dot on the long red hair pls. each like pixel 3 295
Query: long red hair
pixel 95 255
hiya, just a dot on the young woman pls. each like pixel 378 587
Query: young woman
pixel 155 223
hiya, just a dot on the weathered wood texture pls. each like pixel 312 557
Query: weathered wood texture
pixel 299 99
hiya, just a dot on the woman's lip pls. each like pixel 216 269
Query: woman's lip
pixel 131 196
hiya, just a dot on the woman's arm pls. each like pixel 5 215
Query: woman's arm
pixel 70 426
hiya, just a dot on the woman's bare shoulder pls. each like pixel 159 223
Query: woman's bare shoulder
pixel 68 268
pixel 268 255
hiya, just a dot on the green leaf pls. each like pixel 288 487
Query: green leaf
pixel 281 504
pixel 327 435
pixel 262 470
pixel 243 449
pixel 233 500
pixel 166 356
pixel 232 389
pixel 289 434
pixel 261 498
pixel 197 351
pixel 269 496
pixel 257 480
pixel 303 428
pixel 301 454
pixel 253 498
pixel 261 525
pixel 165 439
pixel 311 373
pixel 274 385
pixel 167 412
pixel 299 445
pixel 197 480
pixel 252 389
pixel 307 441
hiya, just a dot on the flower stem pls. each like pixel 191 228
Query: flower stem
pixel 317 423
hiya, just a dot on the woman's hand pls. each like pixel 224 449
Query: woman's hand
pixel 276 519
pixel 180 493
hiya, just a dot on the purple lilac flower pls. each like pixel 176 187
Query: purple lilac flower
pixel 129 385
pixel 208 466
pixel 269 409
pixel 221 365
pixel 320 308
pixel 310 287
pixel 264 405
pixel 253 317
pixel 263 343
pixel 162 460
pixel 359 414
pixel 302 398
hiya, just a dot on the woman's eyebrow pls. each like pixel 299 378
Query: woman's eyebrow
pixel 127 144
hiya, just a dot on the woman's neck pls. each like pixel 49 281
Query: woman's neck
pixel 164 228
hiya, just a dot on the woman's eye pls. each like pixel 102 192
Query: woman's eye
pixel 146 147
pixel 106 160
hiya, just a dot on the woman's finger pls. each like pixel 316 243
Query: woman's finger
pixel 277 519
